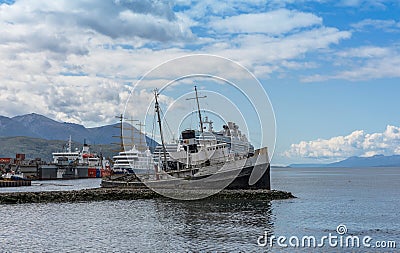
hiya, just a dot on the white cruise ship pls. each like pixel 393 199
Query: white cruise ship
pixel 133 161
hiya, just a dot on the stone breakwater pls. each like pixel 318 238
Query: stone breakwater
pixel 127 194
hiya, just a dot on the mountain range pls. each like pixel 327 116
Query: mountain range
pixel 38 136
pixel 38 126
pixel 43 149
pixel 27 132
pixel 354 161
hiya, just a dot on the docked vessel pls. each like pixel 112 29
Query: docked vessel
pixel 14 176
pixel 76 164
pixel 207 160
pixel 10 173
pixel 214 161
pixel 133 161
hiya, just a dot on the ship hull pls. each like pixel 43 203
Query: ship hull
pixel 242 181
pixel 241 177
pixel 233 179
pixel 56 171
pixel 251 173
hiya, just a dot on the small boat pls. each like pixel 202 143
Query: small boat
pixel 14 176
pixel 13 179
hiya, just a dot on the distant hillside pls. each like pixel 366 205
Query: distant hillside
pixel 307 165
pixel 38 126
pixel 373 161
pixel 38 136
pixel 41 148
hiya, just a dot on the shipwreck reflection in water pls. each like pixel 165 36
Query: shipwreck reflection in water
pixel 210 225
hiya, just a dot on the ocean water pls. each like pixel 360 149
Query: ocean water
pixel 365 200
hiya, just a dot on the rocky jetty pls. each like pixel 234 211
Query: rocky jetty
pixel 102 194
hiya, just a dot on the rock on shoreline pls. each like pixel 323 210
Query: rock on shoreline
pixel 102 194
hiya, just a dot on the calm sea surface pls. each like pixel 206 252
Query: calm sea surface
pixel 365 200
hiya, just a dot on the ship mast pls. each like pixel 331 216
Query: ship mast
pixel 69 149
pixel 140 134
pixel 157 106
pixel 198 108
pixel 133 130
pixel 121 138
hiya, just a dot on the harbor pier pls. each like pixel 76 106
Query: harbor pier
pixel 14 183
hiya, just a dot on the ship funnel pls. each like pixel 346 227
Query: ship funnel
pixel 189 141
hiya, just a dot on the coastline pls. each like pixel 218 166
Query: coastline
pixel 110 194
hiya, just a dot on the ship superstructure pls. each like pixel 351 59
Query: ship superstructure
pixel 203 160
pixel 199 154
pixel 136 160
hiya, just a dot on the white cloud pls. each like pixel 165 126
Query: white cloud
pixel 388 67
pixel 381 4
pixel 55 21
pixel 45 44
pixel 207 9
pixel 379 24
pixel 270 54
pixel 274 22
pixel 363 63
pixel 367 52
pixel 67 59
pixel 358 143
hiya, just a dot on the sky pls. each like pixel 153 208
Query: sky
pixel 330 69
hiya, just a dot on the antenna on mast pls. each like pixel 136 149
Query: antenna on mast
pixel 198 107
